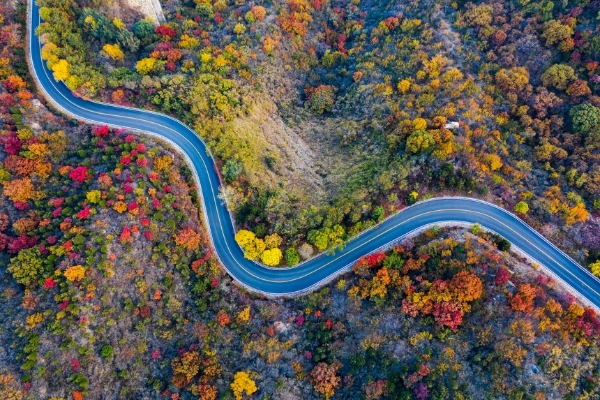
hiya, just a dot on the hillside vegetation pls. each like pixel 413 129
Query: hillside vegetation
pixel 326 116
pixel 109 289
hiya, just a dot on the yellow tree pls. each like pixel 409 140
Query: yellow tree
pixel 244 238
pixel 271 257
pixel 242 384
pixel 188 42
pixel 93 196
pixel 253 246
pixel 75 273
pixel 420 124
pixel 595 268
pixel 61 70
pixel 113 51
pixel 576 214
pixel 146 66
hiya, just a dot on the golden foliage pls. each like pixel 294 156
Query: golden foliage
pixel 185 367
pixel 244 315
pixel 271 257
pixel 162 163
pixel 61 70
pixel 120 207
pixel 19 190
pixel 9 388
pixel 75 273
pixel 576 214
pixel 113 51
pixel 324 379
pixel 242 384
pixel 33 320
pixel 253 247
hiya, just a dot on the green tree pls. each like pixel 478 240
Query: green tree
pixel 319 239
pixel 292 257
pixel 97 25
pixel 28 266
pixel 522 207
pixel 144 32
pixel 118 76
pixel 559 76
pixel 584 117
pixel 232 170
pixel 476 229
pixel 205 10
pixel 419 141
pixel 378 213
pixel 128 41
pixel 107 351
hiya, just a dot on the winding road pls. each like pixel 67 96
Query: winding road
pixel 317 271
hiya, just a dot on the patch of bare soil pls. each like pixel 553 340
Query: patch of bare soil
pixel 292 164
pixel 313 163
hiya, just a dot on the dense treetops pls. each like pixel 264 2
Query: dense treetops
pixel 444 315
pixel 520 77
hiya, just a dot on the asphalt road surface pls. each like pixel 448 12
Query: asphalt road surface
pixel 315 272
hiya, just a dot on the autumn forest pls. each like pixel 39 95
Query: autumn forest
pixel 325 117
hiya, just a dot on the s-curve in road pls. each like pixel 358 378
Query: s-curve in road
pixel 315 272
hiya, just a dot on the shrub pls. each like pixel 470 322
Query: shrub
pixel 321 98
pixel 106 351
pixel 292 257
pixel 232 170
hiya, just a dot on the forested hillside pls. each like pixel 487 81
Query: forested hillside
pixel 109 290
pixel 327 116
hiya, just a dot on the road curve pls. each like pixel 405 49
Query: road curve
pixel 317 271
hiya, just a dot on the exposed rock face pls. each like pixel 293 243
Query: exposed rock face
pixel 452 125
pixel 149 8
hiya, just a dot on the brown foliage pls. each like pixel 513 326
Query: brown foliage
pixel 185 368
pixel 324 379
pixel 579 88
pixel 498 37
pixel 19 165
pixel 4 221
